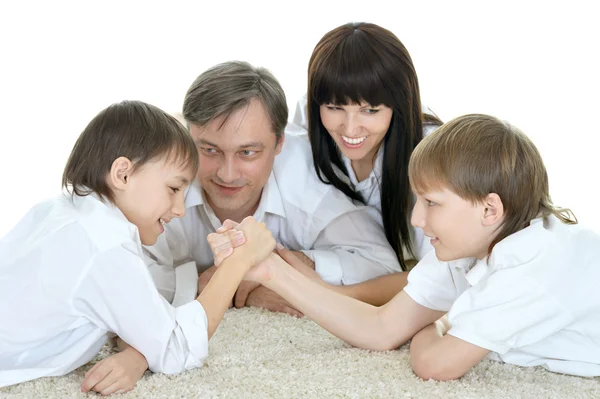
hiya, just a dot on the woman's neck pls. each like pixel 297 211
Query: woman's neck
pixel 362 168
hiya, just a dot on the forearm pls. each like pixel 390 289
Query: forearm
pixel 377 291
pixel 435 355
pixel 217 295
pixel 353 321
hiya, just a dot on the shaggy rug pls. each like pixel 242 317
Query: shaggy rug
pixel 259 354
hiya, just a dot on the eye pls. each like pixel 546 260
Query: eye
pixel 332 107
pixel 371 111
pixel 248 153
pixel 208 150
pixel 430 203
pixel 174 189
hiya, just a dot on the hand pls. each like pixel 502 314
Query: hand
pixel 263 297
pixel 245 288
pixel 224 240
pixel 115 374
pixel 259 240
pixel 204 278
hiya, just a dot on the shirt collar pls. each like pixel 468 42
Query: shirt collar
pixel 97 207
pixel 512 251
pixel 270 200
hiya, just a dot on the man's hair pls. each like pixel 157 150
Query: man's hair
pixel 229 87
pixel 359 62
pixel 132 129
pixel 475 155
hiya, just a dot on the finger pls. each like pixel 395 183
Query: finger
pixel 228 224
pixel 236 237
pixel 115 386
pixel 293 312
pixel 239 299
pixel 90 371
pixel 92 380
pixel 222 256
pixel 94 376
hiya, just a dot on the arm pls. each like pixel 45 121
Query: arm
pixel 436 355
pixel 118 295
pixel 377 291
pixel 355 322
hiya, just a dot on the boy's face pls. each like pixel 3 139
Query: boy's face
pixel 153 195
pixel 455 226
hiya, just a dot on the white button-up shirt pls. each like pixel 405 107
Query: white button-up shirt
pixel 535 301
pixel 370 187
pixel 345 240
pixel 71 274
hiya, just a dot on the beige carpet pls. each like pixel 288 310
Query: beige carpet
pixel 258 354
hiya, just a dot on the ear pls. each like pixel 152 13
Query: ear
pixel 279 145
pixel 120 173
pixel 493 210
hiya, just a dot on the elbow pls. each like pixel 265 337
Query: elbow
pixel 429 367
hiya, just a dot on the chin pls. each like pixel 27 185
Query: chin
pixel 148 241
pixel 444 257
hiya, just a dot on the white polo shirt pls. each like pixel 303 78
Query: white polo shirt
pixel 345 240
pixel 71 275
pixel 536 301
pixel 370 187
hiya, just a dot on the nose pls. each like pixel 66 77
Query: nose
pixel 352 125
pixel 228 171
pixel 178 207
pixel 417 218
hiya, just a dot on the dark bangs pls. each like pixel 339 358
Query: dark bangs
pixel 351 73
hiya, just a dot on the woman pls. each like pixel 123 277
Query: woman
pixel 364 117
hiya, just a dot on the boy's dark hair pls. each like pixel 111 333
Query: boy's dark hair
pixel 131 129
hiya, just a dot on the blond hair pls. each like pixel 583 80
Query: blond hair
pixel 475 155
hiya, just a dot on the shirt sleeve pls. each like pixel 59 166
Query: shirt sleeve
pixel 117 293
pixel 505 312
pixel 431 284
pixel 353 248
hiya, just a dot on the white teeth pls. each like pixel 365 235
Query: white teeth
pixel 357 140
pixel 161 221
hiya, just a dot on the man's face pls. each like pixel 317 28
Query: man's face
pixel 236 158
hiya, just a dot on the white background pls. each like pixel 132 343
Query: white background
pixel 534 64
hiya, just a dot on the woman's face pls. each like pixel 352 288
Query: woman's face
pixel 357 129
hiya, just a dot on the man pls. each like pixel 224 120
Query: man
pixel 237 114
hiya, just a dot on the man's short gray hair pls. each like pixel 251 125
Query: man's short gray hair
pixel 230 86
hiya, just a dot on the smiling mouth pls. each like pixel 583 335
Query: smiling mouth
pixel 354 141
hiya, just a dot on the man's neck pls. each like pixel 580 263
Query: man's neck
pixel 237 215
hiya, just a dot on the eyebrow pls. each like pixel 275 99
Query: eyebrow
pixel 254 144
pixel 182 179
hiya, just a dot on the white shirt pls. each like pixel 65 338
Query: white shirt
pixel 345 240
pixel 534 302
pixel 71 273
pixel 370 187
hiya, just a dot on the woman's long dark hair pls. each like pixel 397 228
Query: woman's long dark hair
pixel 360 62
